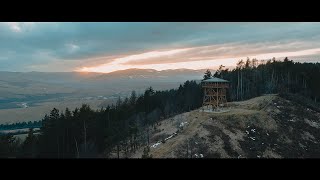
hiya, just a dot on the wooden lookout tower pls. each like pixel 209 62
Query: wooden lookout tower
pixel 215 92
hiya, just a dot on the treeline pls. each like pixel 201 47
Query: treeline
pixel 21 125
pixel 120 128
pixel 253 78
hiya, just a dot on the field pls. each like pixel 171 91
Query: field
pixel 38 111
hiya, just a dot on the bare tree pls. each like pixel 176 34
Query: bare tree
pixel 78 155
pixel 85 135
pixel 239 86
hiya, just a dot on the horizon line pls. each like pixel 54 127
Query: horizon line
pixel 84 72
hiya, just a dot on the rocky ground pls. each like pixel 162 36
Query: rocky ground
pixel 264 127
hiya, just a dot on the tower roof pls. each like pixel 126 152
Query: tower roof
pixel 214 79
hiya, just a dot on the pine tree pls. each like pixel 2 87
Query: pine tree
pixel 207 75
pixel 29 145
pixel 133 98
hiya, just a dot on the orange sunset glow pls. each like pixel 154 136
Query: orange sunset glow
pixel 186 58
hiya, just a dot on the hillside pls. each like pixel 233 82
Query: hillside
pixel 268 126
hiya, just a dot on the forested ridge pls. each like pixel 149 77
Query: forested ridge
pixel 21 125
pixel 253 78
pixel 125 126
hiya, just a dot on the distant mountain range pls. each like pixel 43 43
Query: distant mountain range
pixel 20 84
pixel 143 74
pixel 89 76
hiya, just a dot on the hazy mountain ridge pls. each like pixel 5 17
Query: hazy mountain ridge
pixel 58 77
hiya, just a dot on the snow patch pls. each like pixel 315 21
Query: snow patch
pixel 198 156
pixel 183 124
pixel 168 137
pixel 156 144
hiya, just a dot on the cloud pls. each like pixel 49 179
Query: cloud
pixel 198 58
pixel 92 44
pixel 231 50
pixel 71 48
pixel 14 27
pixel 19 26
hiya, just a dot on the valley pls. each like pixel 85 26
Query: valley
pixel 28 96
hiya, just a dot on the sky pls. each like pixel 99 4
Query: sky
pixel 111 46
